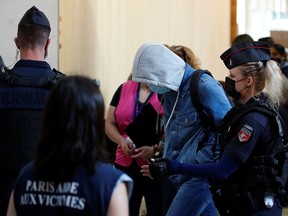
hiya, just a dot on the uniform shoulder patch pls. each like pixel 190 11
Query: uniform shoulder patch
pixel 245 133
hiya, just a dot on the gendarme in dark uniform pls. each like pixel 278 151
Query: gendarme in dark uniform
pixel 23 91
pixel 254 134
pixel 251 175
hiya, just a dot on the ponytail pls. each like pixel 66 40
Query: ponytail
pixel 273 84
pixel 267 79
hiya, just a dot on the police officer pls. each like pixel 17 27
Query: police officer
pixel 23 91
pixel 249 168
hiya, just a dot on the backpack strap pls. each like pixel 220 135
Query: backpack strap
pixel 194 93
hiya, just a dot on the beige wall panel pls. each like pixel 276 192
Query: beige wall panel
pixel 99 38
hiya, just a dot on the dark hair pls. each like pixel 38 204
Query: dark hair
pixel 280 49
pixel 267 40
pixel 241 38
pixel 72 132
pixel 31 36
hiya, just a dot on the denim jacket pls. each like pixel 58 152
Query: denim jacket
pixel 156 64
pixel 186 131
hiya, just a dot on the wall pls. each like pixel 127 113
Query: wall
pixel 11 12
pixel 99 38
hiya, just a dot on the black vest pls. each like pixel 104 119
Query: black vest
pixel 22 101
pixel 263 174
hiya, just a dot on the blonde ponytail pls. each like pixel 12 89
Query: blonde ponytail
pixel 273 84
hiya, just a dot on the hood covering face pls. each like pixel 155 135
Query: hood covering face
pixel 155 64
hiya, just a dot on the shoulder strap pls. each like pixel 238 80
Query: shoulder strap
pixel 57 77
pixel 194 93
pixel 14 79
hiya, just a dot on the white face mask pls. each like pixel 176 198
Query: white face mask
pixel 158 89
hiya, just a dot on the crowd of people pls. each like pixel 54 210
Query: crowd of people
pixel 231 162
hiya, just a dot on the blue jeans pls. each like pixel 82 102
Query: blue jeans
pixel 193 199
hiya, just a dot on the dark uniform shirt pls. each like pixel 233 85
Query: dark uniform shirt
pixel 33 68
pixel 252 129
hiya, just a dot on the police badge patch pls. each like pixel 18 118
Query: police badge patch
pixel 245 133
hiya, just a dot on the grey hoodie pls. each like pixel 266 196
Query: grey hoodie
pixel 155 64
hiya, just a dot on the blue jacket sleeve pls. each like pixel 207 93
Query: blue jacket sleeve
pixel 220 170
pixel 213 98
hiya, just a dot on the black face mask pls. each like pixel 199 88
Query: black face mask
pixel 230 88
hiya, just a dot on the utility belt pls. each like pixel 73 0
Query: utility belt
pixel 243 203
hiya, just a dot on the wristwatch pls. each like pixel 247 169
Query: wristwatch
pixel 156 151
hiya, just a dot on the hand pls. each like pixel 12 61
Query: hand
pixel 127 146
pixel 144 152
pixel 157 169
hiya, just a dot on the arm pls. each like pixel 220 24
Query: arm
pixel 113 133
pixel 11 207
pixel 118 205
pixel 213 98
pixel 164 167
pixel 236 152
pixel 111 126
pixel 220 170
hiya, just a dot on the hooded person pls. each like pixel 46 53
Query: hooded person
pixel 160 73
pixel 187 137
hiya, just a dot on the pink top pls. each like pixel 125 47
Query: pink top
pixel 124 116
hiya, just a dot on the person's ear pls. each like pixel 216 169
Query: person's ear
pixel 249 81
pixel 46 48
pixel 16 41
pixel 47 44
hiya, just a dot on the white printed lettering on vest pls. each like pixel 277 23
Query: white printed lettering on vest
pixel 58 195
